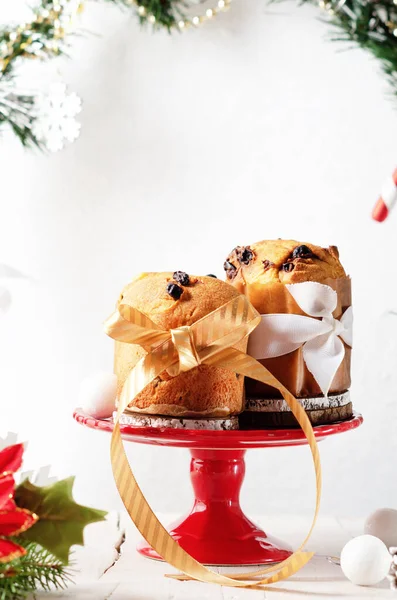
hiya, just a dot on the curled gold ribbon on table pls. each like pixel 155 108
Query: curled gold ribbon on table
pixel 208 341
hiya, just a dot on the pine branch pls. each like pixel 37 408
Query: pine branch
pixel 38 569
pixel 369 24
pixel 16 110
pixel 42 38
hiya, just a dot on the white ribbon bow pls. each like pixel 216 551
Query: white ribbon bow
pixel 323 350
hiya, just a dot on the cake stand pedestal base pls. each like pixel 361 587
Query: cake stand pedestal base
pixel 217 532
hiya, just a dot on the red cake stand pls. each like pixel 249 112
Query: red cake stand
pixel 217 532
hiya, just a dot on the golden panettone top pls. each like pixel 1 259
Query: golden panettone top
pixel 282 261
pixel 175 299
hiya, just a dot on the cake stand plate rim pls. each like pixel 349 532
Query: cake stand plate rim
pixel 217 440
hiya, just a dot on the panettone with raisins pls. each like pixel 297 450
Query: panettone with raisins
pixel 280 261
pixel 261 271
pixel 172 300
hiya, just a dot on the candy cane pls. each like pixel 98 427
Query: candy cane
pixel 387 199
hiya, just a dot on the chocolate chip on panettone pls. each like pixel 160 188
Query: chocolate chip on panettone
pixel 246 255
pixel 211 275
pixel 174 291
pixel 303 252
pixel 181 277
pixel 231 270
pixel 288 267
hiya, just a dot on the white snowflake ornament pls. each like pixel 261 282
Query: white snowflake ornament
pixel 55 117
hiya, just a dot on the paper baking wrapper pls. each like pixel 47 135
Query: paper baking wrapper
pixel 291 369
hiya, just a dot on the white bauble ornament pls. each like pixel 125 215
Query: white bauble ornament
pixel 365 560
pixel 98 395
pixel 383 525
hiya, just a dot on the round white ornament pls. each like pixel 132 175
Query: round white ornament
pixel 98 394
pixel 365 560
pixel 383 524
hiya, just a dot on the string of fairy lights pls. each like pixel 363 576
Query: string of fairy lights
pixel 185 22
pixel 48 119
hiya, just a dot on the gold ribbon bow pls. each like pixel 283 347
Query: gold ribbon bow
pixel 208 341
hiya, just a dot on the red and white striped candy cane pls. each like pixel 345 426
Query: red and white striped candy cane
pixel 387 199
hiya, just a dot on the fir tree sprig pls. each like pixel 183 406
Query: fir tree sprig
pixel 37 569
pixel 42 37
pixel 16 110
pixel 368 24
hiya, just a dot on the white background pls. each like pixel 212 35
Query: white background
pixel 254 126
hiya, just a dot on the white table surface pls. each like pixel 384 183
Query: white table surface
pixel 104 573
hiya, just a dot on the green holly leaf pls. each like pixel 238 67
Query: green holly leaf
pixel 61 521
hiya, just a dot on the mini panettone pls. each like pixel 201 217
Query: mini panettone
pixel 262 271
pixel 172 300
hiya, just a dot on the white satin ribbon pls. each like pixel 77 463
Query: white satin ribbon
pixel 320 333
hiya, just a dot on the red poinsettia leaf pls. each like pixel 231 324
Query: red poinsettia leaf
pixel 16 521
pixel 11 458
pixel 10 551
pixel 7 489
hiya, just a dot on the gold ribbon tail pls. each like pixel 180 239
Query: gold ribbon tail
pixel 209 342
